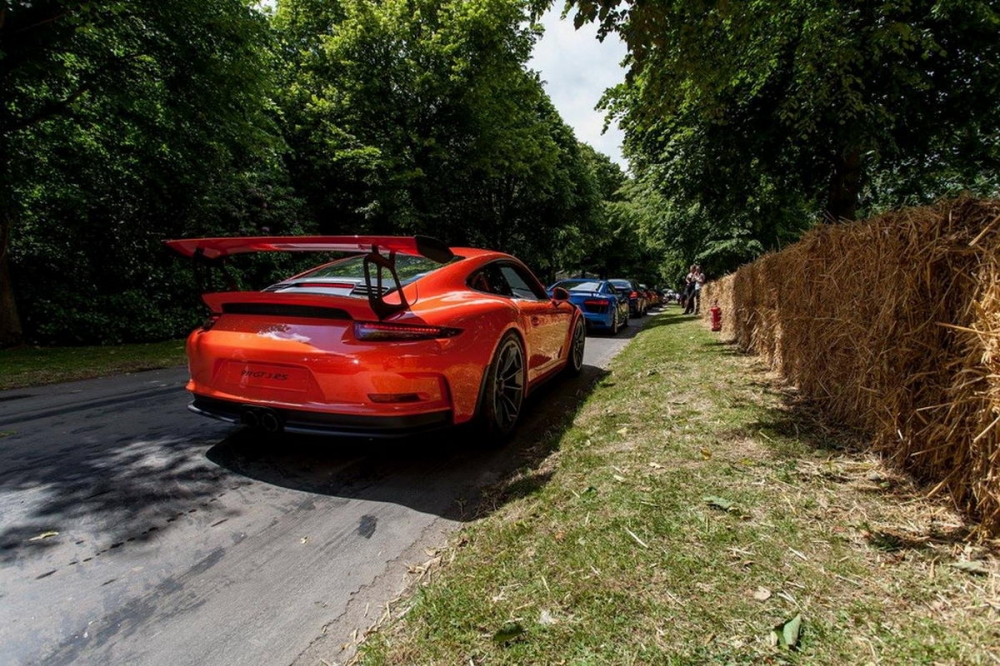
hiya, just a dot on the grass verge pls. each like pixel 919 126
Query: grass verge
pixel 694 508
pixel 31 366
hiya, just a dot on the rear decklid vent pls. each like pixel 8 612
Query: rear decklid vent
pixel 285 310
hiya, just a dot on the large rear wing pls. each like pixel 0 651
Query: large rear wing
pixel 215 248
pixel 213 251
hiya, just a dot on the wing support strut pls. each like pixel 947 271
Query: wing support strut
pixel 385 267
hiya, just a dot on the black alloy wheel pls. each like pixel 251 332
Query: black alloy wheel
pixel 504 389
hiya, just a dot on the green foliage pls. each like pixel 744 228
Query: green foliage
pixel 755 117
pixel 122 124
pixel 128 122
pixel 419 117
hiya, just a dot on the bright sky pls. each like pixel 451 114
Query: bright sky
pixel 576 69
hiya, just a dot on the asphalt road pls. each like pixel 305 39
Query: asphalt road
pixel 132 531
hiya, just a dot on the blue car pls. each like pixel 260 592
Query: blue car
pixel 603 306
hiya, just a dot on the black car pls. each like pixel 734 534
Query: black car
pixel 637 303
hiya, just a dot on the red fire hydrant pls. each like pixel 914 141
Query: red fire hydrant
pixel 716 313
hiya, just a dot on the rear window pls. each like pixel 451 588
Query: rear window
pixel 584 286
pixel 408 268
pixel 347 276
pixel 622 284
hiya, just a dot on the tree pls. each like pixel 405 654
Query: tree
pixel 418 116
pixel 807 108
pixel 117 120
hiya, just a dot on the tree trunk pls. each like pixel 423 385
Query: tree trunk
pixel 10 321
pixel 845 186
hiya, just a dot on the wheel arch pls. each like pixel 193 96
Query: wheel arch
pixel 486 368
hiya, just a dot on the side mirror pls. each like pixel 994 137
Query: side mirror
pixel 560 294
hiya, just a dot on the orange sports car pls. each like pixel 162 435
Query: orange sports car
pixel 406 335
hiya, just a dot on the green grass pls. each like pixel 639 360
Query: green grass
pixel 693 507
pixel 30 366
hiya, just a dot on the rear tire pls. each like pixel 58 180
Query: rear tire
pixel 615 324
pixel 504 394
pixel 574 364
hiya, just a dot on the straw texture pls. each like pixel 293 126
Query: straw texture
pixel 893 326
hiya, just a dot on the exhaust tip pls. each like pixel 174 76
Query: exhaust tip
pixel 270 421
pixel 249 417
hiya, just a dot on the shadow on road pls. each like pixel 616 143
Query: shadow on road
pixel 444 474
pixel 104 493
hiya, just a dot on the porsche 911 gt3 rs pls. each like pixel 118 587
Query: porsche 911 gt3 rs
pixel 405 335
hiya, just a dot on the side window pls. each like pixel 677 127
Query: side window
pixel 480 282
pixel 521 285
pixel 490 279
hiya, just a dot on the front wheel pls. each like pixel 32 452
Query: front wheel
pixel 504 393
pixel 574 364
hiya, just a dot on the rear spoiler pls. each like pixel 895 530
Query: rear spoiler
pixel 213 251
pixel 215 248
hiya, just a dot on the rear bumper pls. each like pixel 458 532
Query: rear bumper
pixel 599 320
pixel 324 423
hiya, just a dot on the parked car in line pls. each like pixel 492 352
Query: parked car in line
pixel 603 306
pixel 652 298
pixel 405 335
pixel 637 304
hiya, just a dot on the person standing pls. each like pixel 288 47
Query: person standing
pixel 694 280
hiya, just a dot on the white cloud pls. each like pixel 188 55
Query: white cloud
pixel 576 69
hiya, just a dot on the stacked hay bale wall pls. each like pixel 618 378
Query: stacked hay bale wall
pixel 893 324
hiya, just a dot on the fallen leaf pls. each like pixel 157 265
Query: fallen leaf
pixel 656 465
pixel 618 478
pixel 623 431
pixel 762 594
pixel 718 503
pixel 787 633
pixel 44 535
pixel 508 632
pixel 304 540
pixel 706 454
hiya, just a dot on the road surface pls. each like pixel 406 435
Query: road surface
pixel 133 531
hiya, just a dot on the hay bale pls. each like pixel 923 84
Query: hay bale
pixel 893 325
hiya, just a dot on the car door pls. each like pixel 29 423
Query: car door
pixel 546 322
pixel 620 301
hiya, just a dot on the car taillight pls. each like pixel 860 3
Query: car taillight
pixel 634 294
pixel 597 302
pixel 372 331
